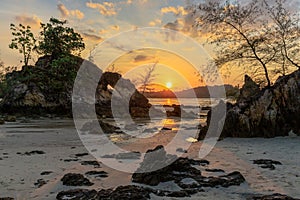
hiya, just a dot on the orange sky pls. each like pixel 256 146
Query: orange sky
pixel 99 20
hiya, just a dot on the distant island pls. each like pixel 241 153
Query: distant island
pixel 200 92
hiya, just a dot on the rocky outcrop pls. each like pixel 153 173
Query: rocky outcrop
pixel 82 194
pixel 269 112
pixel 72 179
pixel 41 89
pixel 124 94
pixel 180 171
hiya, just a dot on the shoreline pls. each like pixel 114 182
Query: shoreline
pixel 60 142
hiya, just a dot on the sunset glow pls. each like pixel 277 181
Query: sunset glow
pixel 169 85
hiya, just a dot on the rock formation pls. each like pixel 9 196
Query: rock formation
pixel 41 90
pixel 269 112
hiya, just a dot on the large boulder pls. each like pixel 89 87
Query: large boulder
pixel 269 112
pixel 113 90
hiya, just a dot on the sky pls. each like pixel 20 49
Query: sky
pixel 98 21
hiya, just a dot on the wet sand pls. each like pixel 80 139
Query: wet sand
pixel 59 141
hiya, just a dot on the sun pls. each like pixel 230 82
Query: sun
pixel 169 85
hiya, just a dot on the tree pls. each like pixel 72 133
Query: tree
pixel 146 79
pixel 57 40
pixel 239 33
pixel 23 40
pixel 287 33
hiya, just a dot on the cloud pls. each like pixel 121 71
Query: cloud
pixel 32 21
pixel 141 58
pixel 155 22
pixel 92 37
pixel 66 13
pixel 106 9
pixel 179 10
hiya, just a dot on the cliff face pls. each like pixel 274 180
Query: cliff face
pixel 269 112
pixel 266 113
pixel 40 89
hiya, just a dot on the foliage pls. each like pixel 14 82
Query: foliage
pixel 245 35
pixel 23 40
pixel 63 68
pixel 56 39
pixel 5 83
pixel 286 26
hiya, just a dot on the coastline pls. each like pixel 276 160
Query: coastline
pixel 59 141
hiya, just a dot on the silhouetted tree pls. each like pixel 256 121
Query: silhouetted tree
pixel 147 78
pixel 23 40
pixel 286 26
pixel 238 32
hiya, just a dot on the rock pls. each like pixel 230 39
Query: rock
pixel 125 193
pixel 40 182
pixel 166 129
pixel 95 163
pixel 71 160
pixel 78 194
pixel 180 150
pixel 38 90
pixel 249 91
pixel 266 163
pixel 35 152
pixel 272 197
pixel 100 174
pixel 6 198
pixel 10 118
pixel 125 96
pixel 81 154
pixel 270 112
pixel 72 179
pixel 179 171
pixel 44 173
pixel 215 170
pixel 176 112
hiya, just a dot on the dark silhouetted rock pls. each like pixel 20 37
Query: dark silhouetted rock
pixel 215 170
pixel 40 182
pixel 269 112
pixel 266 163
pixel 81 154
pixel 125 193
pixel 94 163
pixel 100 174
pixel 72 179
pixel 36 152
pixel 179 171
pixel 249 91
pixel 78 194
pixel 46 173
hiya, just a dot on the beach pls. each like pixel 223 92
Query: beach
pixel 36 154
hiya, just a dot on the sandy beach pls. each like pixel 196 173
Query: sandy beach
pixel 35 155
